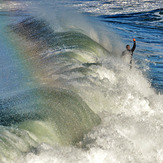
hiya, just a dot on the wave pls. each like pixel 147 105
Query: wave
pixel 49 115
pixel 86 96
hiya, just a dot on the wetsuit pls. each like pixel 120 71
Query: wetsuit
pixel 129 53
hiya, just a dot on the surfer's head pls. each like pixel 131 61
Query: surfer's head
pixel 128 47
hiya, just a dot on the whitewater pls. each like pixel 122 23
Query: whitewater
pixel 66 93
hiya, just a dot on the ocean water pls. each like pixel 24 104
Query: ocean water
pixel 66 95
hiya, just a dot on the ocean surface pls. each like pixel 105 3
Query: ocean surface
pixel 67 95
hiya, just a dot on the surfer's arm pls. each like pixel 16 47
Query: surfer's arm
pixel 134 46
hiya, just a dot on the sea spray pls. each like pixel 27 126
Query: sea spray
pixel 95 80
pixel 52 116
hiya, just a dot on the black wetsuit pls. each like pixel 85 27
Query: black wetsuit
pixel 129 52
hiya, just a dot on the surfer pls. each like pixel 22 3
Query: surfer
pixel 128 53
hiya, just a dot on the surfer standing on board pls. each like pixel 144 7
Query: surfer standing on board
pixel 128 53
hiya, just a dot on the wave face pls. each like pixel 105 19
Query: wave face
pixel 76 100
pixel 46 115
pixel 46 111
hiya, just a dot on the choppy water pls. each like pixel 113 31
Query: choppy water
pixel 67 95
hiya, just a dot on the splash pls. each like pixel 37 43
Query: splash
pixel 80 80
